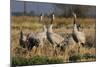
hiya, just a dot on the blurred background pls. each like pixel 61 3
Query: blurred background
pixel 36 8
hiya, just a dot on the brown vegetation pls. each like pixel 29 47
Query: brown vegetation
pixel 61 25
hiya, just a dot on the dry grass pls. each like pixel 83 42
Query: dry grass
pixel 61 25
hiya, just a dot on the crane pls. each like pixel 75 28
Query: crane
pixel 37 39
pixel 78 36
pixel 54 38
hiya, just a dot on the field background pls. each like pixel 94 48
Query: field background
pixel 20 55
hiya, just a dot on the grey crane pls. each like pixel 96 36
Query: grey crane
pixel 78 36
pixel 37 39
pixel 54 38
pixel 32 41
pixel 42 37
pixel 28 41
pixel 68 40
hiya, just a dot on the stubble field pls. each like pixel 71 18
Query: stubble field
pixel 21 56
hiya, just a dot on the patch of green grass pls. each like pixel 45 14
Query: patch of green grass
pixel 74 58
pixel 39 60
pixel 55 61
pixel 88 56
pixel 78 57
pixel 20 61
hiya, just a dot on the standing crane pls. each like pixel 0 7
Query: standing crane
pixel 37 39
pixel 78 36
pixel 32 41
pixel 54 38
pixel 28 41
pixel 42 37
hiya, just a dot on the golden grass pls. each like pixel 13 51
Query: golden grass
pixel 32 24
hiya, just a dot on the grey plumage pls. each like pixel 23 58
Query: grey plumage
pixel 78 36
pixel 54 38
pixel 37 39
pixel 42 37
pixel 32 41
pixel 68 40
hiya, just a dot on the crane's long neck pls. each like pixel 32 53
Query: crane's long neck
pixel 74 20
pixel 21 35
pixel 44 29
pixel 50 28
pixel 74 25
pixel 52 18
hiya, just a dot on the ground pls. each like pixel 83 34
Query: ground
pixel 61 25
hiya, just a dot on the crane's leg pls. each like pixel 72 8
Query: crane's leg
pixel 55 51
pixel 79 47
pixel 29 54
pixel 41 49
pixel 35 50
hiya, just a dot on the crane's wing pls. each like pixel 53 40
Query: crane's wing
pixel 75 37
pixel 56 38
pixel 81 37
